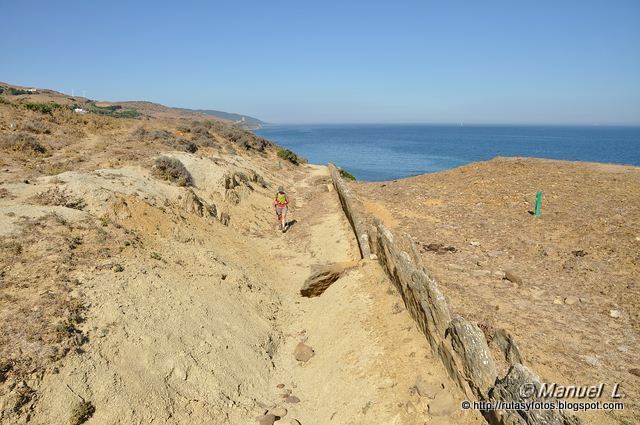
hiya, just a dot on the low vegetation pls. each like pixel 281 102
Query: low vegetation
pixel 347 175
pixel 115 111
pixel 14 91
pixel 173 170
pixel 57 196
pixel 22 142
pixel 37 127
pixel 43 108
pixel 288 155
pixel 167 138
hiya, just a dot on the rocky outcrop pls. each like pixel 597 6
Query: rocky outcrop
pixel 323 276
pixel 353 210
pixel 194 205
pixel 420 293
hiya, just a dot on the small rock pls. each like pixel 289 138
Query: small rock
pixel 635 371
pixel 615 313
pixel 474 243
pixel 557 300
pixel 579 253
pixel 292 399
pixel 118 268
pixel 278 412
pixel 410 408
pixel 511 276
pixel 499 274
pixel 303 352
pixel 442 405
pixel 592 360
pixel 280 386
pixel 456 267
pixel 290 422
pixel 373 257
pixel 427 389
pixel 571 300
pixel 266 419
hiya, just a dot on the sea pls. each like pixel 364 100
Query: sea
pixel 377 152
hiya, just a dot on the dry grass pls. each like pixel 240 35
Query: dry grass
pixel 41 304
pixel 59 197
pixel 22 142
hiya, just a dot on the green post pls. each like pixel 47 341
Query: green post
pixel 538 202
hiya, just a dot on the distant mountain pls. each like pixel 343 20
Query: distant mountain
pixel 244 121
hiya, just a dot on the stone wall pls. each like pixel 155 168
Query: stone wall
pixel 460 344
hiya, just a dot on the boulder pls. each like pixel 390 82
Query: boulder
pixel 323 277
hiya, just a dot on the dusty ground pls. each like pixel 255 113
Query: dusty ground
pixel 575 305
pixel 126 298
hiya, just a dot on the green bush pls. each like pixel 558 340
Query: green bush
pixel 347 175
pixel 289 156
pixel 173 170
pixel 115 111
pixel 15 92
pixel 44 108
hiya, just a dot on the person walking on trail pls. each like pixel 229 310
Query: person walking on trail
pixel 280 203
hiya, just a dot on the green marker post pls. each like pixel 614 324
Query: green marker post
pixel 538 202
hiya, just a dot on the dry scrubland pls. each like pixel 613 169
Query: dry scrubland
pixel 566 285
pixel 142 280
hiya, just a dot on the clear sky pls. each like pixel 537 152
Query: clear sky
pixel 474 61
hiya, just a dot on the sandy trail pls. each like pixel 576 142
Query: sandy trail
pixel 368 352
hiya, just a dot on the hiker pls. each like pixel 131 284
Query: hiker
pixel 280 204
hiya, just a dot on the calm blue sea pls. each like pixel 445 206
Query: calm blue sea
pixel 386 152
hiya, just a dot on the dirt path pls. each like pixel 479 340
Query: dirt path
pixel 368 352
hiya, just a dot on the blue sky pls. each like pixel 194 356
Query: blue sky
pixel 339 61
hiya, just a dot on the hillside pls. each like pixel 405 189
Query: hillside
pixel 565 284
pixel 142 280
pixel 129 109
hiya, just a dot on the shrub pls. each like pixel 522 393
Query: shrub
pixel 140 133
pixel 115 111
pixel 22 142
pixel 289 156
pixel 37 127
pixel 15 92
pixel 43 108
pixel 183 145
pixel 173 170
pixel 59 197
pixel 347 175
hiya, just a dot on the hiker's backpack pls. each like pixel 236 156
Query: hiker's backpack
pixel 281 198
